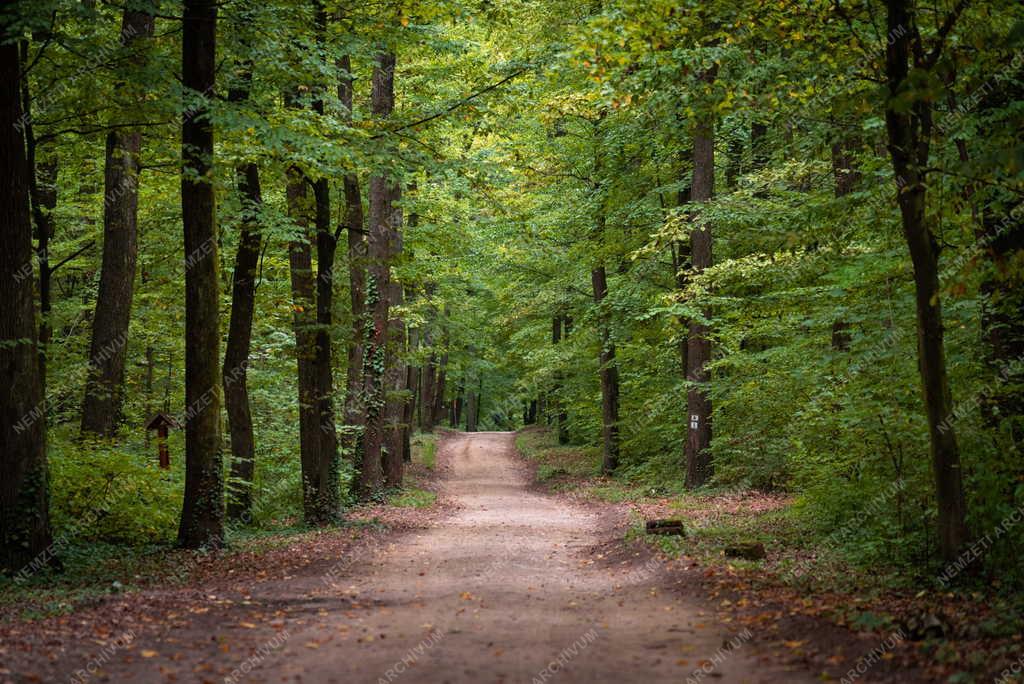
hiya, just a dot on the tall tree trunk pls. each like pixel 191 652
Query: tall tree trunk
pixel 383 223
pixel 698 353
pixel 24 486
pixel 355 413
pixel 609 376
pixel 236 353
pixel 202 515
pixel 300 260
pixel 42 178
pixel 104 388
pixel 909 132
pixel 327 496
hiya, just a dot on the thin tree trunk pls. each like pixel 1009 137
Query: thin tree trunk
pixel 556 407
pixel 428 383
pixel 104 388
pixel 44 203
pixel 609 377
pixel 412 380
pixel 698 353
pixel 202 515
pixel 442 369
pixel 236 353
pixel 383 222
pixel 24 482
pixel 909 134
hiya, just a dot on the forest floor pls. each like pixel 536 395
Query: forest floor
pixel 498 580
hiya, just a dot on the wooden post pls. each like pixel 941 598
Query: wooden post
pixel 162 422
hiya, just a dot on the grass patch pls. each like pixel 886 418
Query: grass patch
pixel 557 463
pixel 424 450
pixel 412 498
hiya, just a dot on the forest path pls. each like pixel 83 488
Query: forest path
pixel 503 590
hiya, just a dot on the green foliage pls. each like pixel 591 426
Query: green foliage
pixel 580 157
pixel 413 498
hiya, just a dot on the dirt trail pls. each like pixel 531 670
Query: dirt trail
pixel 501 591
pixel 505 584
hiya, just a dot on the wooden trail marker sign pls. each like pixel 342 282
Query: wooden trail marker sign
pixel 162 422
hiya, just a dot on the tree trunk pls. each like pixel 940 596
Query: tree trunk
pixel 24 486
pixel 300 261
pixel 472 409
pixel 698 352
pixel 44 203
pixel 442 371
pixel 324 507
pixel 909 134
pixel 328 468
pixel 428 383
pixel 355 414
pixel 457 402
pixel 557 409
pixel 383 223
pixel 412 381
pixel 202 515
pixel 104 388
pixel 394 381
pixel 609 377
pixel 236 353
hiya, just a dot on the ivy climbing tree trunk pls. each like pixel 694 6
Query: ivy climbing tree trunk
pixel 104 388
pixel 24 504
pixel 236 353
pixel 698 353
pixel 909 131
pixel 383 221
pixel 202 516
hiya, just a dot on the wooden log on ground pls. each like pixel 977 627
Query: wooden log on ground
pixel 665 527
pixel 746 551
